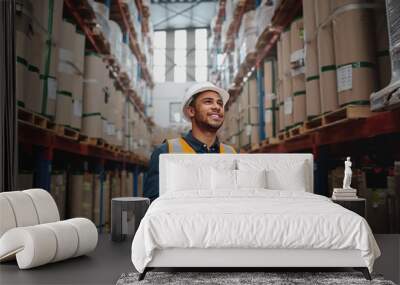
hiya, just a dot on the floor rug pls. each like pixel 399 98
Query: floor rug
pixel 243 278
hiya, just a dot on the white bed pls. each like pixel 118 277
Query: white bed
pixel 195 223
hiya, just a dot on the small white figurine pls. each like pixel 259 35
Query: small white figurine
pixel 347 174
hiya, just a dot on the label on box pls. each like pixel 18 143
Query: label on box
pixel 105 127
pixel 268 116
pixel 288 106
pixel 51 88
pixel 112 129
pixel 344 78
pixel 66 55
pixel 248 130
pixel 77 108
pixel 269 97
pixel 119 135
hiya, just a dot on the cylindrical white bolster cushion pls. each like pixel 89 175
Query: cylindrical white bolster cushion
pixel 45 205
pixel 24 210
pixel 34 246
pixel 87 235
pixel 7 218
pixel 67 239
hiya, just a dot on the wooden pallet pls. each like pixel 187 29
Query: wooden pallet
pixel 254 146
pixel 282 136
pixel 269 141
pixel 31 118
pixel 296 131
pixel 313 123
pixel 350 112
pixel 66 132
pixel 92 141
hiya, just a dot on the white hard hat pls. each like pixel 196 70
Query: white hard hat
pixel 201 87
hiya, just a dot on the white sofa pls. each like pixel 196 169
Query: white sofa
pixel 31 230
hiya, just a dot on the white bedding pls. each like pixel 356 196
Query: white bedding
pixel 251 218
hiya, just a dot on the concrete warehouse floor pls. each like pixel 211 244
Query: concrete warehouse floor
pixel 111 259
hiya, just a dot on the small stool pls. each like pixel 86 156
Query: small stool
pixel 126 214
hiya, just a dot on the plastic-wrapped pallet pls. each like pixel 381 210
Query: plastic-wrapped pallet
pixel 126 66
pixel 247 35
pixel 34 90
pixel 102 13
pixel 354 51
pixel 270 99
pixel 95 93
pixel 297 65
pixel 115 40
pixel 66 74
pixel 313 100
pixel 287 81
pixel 43 56
pixel 23 24
pixel 264 14
pixel 382 44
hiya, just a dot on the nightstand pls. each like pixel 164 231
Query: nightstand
pixel 126 214
pixel 357 205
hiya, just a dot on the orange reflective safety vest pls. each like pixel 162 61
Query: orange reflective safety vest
pixel 179 145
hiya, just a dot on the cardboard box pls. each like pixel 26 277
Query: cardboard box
pixel 310 25
pixel 25 180
pixel 299 99
pixel 80 195
pixel 58 191
pixel 326 57
pixel 355 54
pixel 63 109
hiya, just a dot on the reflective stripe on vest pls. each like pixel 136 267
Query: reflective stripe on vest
pixel 179 145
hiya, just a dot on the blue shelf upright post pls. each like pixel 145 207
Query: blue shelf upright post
pixel 43 165
pixel 100 172
pixel 260 89
pixel 125 38
pixel 108 3
pixel 135 181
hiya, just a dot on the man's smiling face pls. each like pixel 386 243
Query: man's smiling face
pixel 207 110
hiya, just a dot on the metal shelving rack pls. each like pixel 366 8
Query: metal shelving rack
pixel 46 144
pixel 379 130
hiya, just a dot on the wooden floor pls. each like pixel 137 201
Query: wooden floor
pixel 111 259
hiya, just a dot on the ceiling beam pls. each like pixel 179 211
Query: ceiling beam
pixel 177 14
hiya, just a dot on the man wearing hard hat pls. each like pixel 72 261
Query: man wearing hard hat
pixel 203 105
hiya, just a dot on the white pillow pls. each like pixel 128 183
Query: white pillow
pixel 223 179
pixel 283 174
pixel 293 178
pixel 182 177
pixel 251 178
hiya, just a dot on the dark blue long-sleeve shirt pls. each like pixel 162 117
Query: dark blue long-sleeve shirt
pixel 151 178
